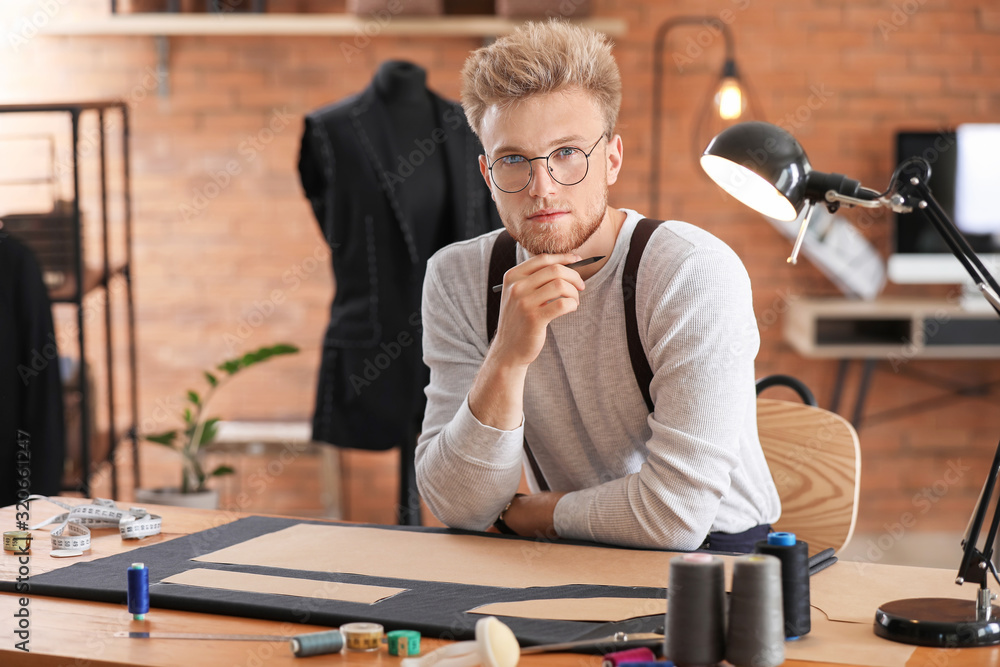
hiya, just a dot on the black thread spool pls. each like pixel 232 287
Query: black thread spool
pixel 794 557
pixel 696 611
pixel 756 636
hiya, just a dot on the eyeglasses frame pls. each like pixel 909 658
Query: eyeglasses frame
pixel 531 170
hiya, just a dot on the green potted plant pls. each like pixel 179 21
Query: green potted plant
pixel 199 431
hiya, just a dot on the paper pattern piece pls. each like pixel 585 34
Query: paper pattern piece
pixel 852 591
pixel 265 583
pixel 604 610
pixel 460 559
pixel 847 644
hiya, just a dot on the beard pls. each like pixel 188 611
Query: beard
pixel 556 238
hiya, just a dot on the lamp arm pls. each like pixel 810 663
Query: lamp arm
pixel 974 565
pixel 916 192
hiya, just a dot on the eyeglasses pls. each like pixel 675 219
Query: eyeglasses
pixel 567 165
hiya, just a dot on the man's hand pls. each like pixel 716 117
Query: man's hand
pixel 531 515
pixel 535 292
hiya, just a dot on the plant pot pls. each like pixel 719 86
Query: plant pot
pixel 206 500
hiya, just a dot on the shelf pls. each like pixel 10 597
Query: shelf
pixel 302 24
pixel 891 329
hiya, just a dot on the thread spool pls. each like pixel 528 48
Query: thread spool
pixel 794 557
pixel 317 643
pixel 756 636
pixel 362 636
pixel 403 642
pixel 137 591
pixel 695 612
pixel 641 654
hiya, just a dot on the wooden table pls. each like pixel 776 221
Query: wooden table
pixel 72 633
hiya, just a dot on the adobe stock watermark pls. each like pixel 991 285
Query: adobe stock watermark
pixel 29 26
pixel 22 517
pixel 909 348
pixel 566 9
pixel 901 14
pixel 248 149
pixel 48 353
pixel 695 46
pixel 263 309
pixel 423 149
pixel 944 142
pixel 792 121
pixel 372 27
pixel 90 137
pixel 388 352
pixel 923 501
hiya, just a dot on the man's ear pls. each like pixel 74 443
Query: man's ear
pixel 614 162
pixel 484 169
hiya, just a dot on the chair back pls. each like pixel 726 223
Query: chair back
pixel 815 460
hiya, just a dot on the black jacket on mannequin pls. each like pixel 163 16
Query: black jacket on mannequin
pixel 392 175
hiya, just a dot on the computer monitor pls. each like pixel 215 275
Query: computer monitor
pixel 965 175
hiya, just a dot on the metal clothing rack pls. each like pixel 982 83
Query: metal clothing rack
pixel 87 281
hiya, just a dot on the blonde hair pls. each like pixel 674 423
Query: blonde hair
pixel 539 58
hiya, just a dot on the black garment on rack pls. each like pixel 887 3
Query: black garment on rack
pixel 392 175
pixel 31 397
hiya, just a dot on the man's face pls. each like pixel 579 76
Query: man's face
pixel 546 216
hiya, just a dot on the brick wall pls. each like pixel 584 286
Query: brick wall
pixel 227 262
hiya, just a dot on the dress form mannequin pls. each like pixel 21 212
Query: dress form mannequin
pixel 421 166
pixel 391 175
pixel 422 188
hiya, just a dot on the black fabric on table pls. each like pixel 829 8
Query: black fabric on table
pixel 434 609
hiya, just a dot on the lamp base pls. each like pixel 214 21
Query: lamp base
pixel 941 622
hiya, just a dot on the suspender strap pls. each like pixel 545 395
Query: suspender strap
pixel 502 258
pixel 640 364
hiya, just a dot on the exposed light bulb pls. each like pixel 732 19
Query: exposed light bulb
pixel 730 99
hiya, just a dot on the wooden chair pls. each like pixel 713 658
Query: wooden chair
pixel 815 460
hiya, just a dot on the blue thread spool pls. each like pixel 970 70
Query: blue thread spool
pixel 137 593
pixel 317 643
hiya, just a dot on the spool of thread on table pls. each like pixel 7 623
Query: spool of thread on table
pixel 641 654
pixel 317 643
pixel 794 557
pixel 362 636
pixel 403 642
pixel 756 636
pixel 137 591
pixel 696 611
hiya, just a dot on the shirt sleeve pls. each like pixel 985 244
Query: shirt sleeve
pixel 698 327
pixel 466 471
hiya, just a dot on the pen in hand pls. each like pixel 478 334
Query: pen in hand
pixel 574 265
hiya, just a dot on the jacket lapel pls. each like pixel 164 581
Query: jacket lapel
pixel 375 134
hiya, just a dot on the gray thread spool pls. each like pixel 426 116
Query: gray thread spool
pixel 696 611
pixel 317 643
pixel 756 635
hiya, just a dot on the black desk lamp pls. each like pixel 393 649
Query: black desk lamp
pixel 764 167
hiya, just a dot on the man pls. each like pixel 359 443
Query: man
pixel 557 377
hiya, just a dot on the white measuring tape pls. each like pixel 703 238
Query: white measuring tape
pixel 74 533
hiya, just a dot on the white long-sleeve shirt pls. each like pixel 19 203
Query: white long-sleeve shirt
pixel 633 478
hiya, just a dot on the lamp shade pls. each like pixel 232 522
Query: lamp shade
pixel 762 166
